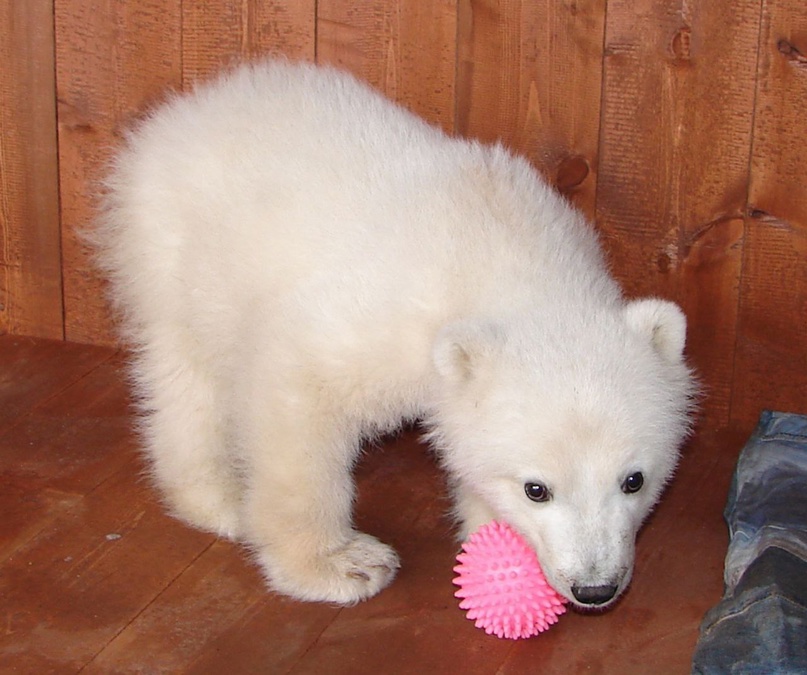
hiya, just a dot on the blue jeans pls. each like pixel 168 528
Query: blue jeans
pixel 760 625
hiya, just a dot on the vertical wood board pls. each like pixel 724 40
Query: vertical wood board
pixel 30 248
pixel 771 367
pixel 529 74
pixel 771 364
pixel 405 48
pixel 220 33
pixel 114 60
pixel 674 152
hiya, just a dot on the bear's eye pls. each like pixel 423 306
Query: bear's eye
pixel 538 492
pixel 633 483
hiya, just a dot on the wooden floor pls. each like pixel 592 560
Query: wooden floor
pixel 96 579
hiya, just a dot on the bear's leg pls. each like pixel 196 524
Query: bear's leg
pixel 183 429
pixel 298 510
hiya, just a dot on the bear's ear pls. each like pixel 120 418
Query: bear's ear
pixel 662 322
pixel 462 349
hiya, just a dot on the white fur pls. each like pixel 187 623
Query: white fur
pixel 300 263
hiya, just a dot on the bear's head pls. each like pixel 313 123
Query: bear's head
pixel 567 427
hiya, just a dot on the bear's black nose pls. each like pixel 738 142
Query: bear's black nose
pixel 594 595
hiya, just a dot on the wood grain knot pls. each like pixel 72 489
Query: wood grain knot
pixel 762 216
pixel 74 117
pixel 791 53
pixel 663 263
pixel 572 171
pixel 681 44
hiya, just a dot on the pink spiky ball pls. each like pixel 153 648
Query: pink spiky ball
pixel 502 585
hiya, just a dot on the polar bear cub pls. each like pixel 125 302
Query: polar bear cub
pixel 300 264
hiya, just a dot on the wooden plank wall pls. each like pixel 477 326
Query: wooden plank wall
pixel 678 126
pixel 30 250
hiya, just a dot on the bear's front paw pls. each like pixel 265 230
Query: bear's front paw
pixel 368 566
pixel 355 571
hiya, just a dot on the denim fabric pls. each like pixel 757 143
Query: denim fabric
pixel 760 625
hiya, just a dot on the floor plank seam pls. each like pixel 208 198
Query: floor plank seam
pixel 54 395
pixel 145 607
pixel 313 643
